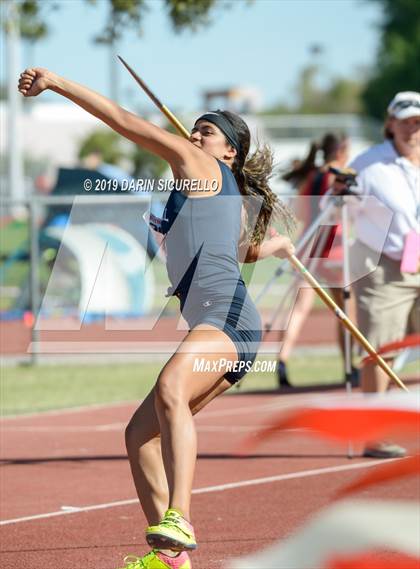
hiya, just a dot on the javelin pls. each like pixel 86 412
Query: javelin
pixel 292 258
pixel 171 117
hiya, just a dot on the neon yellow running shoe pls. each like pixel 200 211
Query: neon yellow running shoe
pixel 158 560
pixel 173 532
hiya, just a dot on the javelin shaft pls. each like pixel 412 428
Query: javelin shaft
pixel 293 259
pixel 170 116
pixel 345 320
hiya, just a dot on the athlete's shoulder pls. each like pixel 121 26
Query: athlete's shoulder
pixel 230 185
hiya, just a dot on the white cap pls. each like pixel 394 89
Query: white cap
pixel 404 105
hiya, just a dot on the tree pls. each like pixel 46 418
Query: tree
pixel 3 92
pixel 190 14
pixel 339 96
pixel 105 142
pixel 122 16
pixel 397 67
pixel 33 16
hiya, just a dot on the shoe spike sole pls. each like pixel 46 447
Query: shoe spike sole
pixel 158 541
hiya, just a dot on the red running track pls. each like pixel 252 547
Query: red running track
pixel 75 459
pixel 128 335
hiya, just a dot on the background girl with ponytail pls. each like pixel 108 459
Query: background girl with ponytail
pixel 207 238
pixel 312 178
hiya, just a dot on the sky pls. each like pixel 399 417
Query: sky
pixel 264 44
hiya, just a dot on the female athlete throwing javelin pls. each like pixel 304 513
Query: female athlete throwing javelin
pixel 207 233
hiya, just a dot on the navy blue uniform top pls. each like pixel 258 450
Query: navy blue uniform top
pixel 202 239
pixel 202 236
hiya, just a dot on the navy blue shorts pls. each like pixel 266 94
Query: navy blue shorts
pixel 236 316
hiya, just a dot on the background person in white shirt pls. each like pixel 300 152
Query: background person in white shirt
pixel 388 300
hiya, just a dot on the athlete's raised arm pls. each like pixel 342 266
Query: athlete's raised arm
pixel 170 147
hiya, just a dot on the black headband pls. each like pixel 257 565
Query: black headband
pixel 225 126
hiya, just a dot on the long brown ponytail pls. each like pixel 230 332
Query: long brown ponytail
pixel 252 175
pixel 328 146
pixel 299 174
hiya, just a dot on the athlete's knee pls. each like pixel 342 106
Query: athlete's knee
pixel 138 433
pixel 168 391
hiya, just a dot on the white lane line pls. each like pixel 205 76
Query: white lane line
pixel 228 428
pixel 271 406
pixel 70 410
pixel 205 490
pixel 274 404
pixel 246 410
pixel 64 428
pixel 129 405
pixel 120 427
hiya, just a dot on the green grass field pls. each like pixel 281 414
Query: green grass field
pixel 26 389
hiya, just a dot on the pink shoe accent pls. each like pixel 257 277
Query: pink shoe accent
pixel 173 562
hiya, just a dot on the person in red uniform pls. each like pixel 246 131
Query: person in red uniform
pixel 312 180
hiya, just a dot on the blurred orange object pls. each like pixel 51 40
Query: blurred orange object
pixel 386 473
pixel 28 319
pixel 375 561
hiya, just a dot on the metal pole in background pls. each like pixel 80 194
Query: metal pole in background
pixel 16 187
pixel 34 277
pixel 114 90
pixel 346 305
